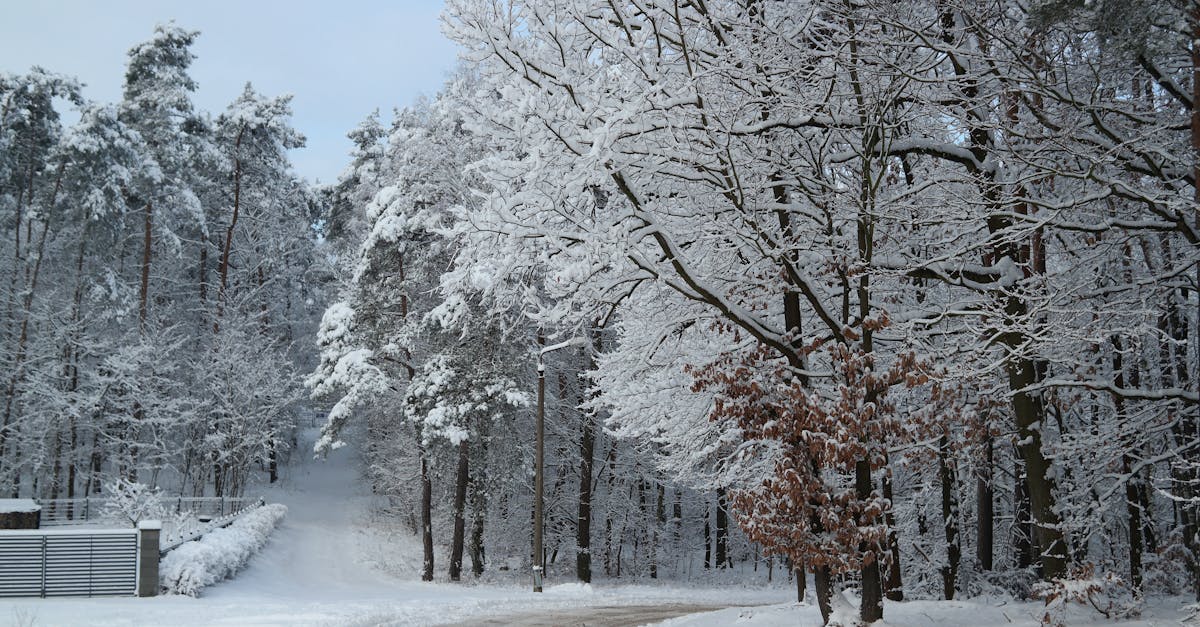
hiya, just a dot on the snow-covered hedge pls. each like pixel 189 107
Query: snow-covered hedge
pixel 220 553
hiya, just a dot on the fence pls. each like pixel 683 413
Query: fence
pixel 48 563
pixel 99 562
pixel 175 539
pixel 59 512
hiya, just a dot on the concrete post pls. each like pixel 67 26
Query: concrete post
pixel 147 560
pixel 20 514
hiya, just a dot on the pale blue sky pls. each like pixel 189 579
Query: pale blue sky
pixel 341 59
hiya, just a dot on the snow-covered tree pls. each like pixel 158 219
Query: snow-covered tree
pixel 113 371
pixel 791 172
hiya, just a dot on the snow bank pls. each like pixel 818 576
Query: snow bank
pixel 572 589
pixel 220 553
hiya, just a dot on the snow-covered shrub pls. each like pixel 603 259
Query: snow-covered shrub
pixel 1015 582
pixel 220 553
pixel 1106 593
pixel 130 502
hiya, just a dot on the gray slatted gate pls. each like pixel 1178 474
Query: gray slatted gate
pixel 98 562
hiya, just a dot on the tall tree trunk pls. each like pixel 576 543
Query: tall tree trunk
pixel 587 452
pixel 1143 496
pixel 56 476
pixel 460 501
pixel 823 582
pixel 947 476
pixel 479 501
pixel 223 268
pixel 611 461
pixel 1191 507
pixel 677 521
pixel 643 522
pixel 131 439
pixel 272 460
pixel 426 516
pixel 147 246
pixel 894 590
pixel 1031 416
pixel 1132 501
pixel 71 364
pixel 1174 368
pixel 986 518
pixel 218 471
pixel 222 293
pixel 264 310
pixel 1022 369
pixel 1022 518
pixel 722 558
pixel 10 321
pixel 871 609
pixel 72 470
pixel 476 548
pixel 97 466
pixel 822 577
pixel 202 279
pixel 660 520
pixel 143 310
pixel 707 538
pixel 31 276
pixel 1134 511
pixel 583 521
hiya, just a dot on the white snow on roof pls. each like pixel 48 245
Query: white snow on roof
pixel 19 505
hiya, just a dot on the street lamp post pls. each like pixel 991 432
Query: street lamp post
pixel 539 462
pixel 539 458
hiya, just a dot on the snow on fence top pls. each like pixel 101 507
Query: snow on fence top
pixel 18 506
pixel 172 542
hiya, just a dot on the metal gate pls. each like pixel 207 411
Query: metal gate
pixel 98 562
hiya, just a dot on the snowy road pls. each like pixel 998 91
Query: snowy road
pixel 316 552
pixel 319 569
pixel 606 616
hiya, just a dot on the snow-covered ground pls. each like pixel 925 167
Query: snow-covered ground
pixel 325 565
pixel 972 613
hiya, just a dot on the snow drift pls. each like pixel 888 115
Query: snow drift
pixel 220 553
